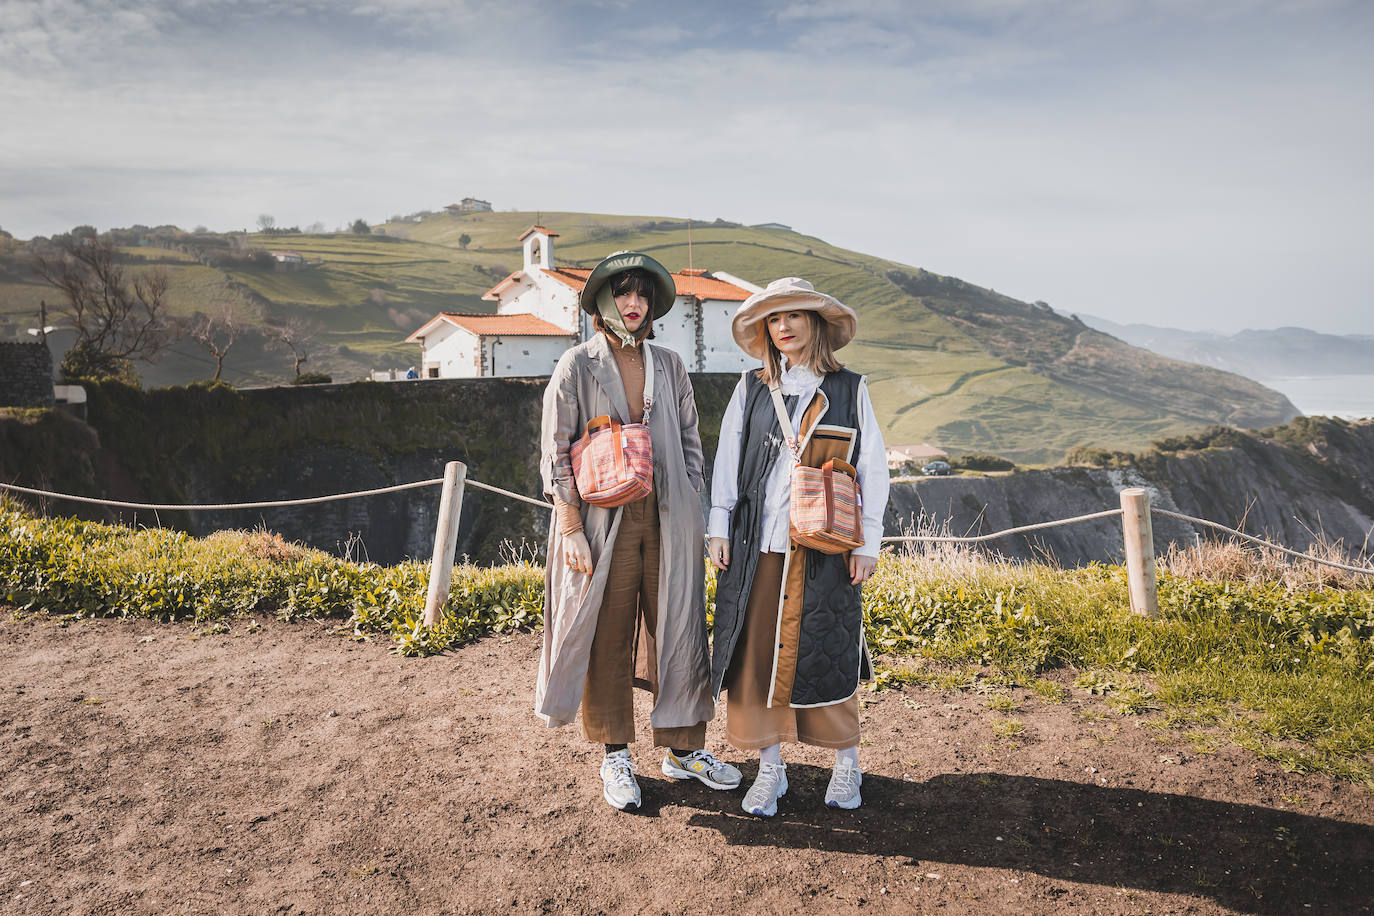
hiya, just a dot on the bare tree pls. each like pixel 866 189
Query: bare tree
pixel 298 337
pixel 112 314
pixel 217 333
pixel 266 222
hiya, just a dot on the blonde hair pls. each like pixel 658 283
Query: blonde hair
pixel 819 356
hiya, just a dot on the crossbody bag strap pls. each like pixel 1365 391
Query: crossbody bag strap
pixel 648 380
pixel 785 422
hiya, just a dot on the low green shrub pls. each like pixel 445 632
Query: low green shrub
pixel 980 461
pixel 71 567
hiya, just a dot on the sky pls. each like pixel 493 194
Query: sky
pixel 1202 165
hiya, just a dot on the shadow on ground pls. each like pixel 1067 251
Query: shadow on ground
pixel 1249 858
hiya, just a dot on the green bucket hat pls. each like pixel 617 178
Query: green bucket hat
pixel 665 290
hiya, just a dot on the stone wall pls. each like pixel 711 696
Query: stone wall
pixel 25 374
pixel 208 444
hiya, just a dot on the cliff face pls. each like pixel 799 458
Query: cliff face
pixel 1290 485
pixel 217 445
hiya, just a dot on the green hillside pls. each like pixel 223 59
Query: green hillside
pixel 949 363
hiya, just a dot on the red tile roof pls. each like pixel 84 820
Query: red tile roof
pixel 521 325
pixel 495 325
pixel 494 294
pixel 576 277
pixel 688 282
pixel 526 233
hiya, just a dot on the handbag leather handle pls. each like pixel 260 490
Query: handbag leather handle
pixel 606 421
pixel 602 422
pixel 839 464
pixel 828 475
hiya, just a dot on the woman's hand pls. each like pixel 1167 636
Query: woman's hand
pixel 578 552
pixel 860 568
pixel 719 549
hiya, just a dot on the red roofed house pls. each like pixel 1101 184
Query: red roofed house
pixel 537 318
pixel 457 345
pixel 898 455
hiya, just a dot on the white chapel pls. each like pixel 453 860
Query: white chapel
pixel 537 318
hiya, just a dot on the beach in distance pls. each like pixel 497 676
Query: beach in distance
pixel 1347 396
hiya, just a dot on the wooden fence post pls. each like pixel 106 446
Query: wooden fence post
pixel 1140 551
pixel 445 540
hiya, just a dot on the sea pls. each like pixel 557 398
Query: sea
pixel 1348 396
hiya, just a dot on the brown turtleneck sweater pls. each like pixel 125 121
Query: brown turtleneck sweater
pixel 630 362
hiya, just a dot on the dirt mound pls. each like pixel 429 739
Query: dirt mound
pixel 288 770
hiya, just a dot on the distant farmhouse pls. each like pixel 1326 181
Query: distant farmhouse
pixel 537 318
pixel 898 455
pixel 470 205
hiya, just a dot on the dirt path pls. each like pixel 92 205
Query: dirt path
pixel 289 770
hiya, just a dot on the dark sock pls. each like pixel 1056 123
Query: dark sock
pixel 612 748
pixel 679 754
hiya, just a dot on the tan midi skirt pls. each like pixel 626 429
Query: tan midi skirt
pixel 749 723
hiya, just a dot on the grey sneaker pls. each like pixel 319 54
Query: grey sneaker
pixel 704 766
pixel 771 784
pixel 618 780
pixel 843 791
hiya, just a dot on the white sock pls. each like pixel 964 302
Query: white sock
pixel 771 754
pixel 850 754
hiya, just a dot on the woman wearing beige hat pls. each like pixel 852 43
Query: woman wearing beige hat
pixel 624 602
pixel 789 649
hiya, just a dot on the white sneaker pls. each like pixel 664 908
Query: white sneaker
pixel 843 791
pixel 618 780
pixel 704 766
pixel 771 784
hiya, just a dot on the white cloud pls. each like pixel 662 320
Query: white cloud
pixel 1115 158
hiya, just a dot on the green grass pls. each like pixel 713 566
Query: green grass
pixel 1285 673
pixel 70 568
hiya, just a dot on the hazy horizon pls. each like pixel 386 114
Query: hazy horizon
pixel 1148 162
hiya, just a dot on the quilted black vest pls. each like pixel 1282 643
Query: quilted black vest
pixel 828 666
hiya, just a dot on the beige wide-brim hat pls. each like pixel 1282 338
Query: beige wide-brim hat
pixel 790 294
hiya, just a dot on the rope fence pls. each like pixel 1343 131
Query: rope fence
pixel 214 507
pixel 976 539
pixel 1135 514
pixel 1241 534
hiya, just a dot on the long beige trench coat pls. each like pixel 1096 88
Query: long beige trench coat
pixel 585 385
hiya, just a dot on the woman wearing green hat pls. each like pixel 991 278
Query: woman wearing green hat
pixel 624 602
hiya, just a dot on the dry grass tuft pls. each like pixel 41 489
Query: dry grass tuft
pixel 942 562
pixel 1215 560
pixel 261 544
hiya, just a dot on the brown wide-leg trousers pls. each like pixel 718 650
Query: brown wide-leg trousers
pixel 608 710
pixel 749 723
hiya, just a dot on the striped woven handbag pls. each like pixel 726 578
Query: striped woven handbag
pixel 613 463
pixel 827 510
pixel 827 513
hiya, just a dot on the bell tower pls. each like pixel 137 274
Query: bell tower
pixel 538 243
